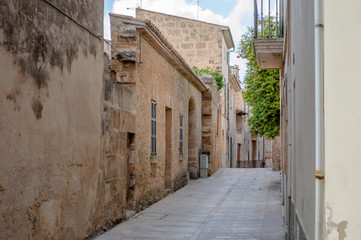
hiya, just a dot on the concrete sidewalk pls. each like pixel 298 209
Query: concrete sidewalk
pixel 232 204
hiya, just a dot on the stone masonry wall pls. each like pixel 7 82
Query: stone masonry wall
pixel 119 129
pixel 210 133
pixel 202 45
pixel 51 91
pixel 156 79
pixel 199 43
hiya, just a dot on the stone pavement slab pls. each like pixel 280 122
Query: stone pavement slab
pixel 232 204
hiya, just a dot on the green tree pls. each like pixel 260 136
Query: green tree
pixel 207 71
pixel 262 90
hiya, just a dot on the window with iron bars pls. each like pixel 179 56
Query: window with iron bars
pixel 153 144
pixel 180 134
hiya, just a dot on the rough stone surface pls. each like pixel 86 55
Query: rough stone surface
pixel 188 36
pixel 210 124
pixel 119 118
pixel 231 204
pixel 202 45
pixel 158 80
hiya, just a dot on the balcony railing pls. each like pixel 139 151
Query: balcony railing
pixel 268 19
pixel 268 33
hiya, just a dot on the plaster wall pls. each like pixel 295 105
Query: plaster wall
pixel 51 90
pixel 342 119
pixel 299 76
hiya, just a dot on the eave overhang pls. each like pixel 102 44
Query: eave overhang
pixel 154 37
pixel 241 112
pixel 226 31
pixel 235 84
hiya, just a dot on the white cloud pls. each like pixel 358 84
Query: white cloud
pixel 106 26
pixel 238 20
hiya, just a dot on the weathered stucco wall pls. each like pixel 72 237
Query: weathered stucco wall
pixel 51 91
pixel 298 119
pixel 300 77
pixel 342 130
pixel 155 78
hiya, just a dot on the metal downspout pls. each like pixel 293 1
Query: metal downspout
pixel 228 124
pixel 319 119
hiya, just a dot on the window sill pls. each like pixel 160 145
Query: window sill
pixel 181 158
pixel 153 159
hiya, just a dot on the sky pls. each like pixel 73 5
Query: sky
pixel 237 14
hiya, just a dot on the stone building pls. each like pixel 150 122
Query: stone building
pixel 211 129
pixel 204 45
pixel 168 105
pixel 77 128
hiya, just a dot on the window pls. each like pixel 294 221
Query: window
pixel 225 99
pixel 153 144
pixel 180 134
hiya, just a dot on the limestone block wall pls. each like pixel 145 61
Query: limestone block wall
pixel 51 91
pixel 119 159
pixel 210 124
pixel 153 78
pixel 203 45
pixel 199 43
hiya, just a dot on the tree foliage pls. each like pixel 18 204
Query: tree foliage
pixel 262 91
pixel 207 71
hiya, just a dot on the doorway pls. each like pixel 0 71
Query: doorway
pixel 168 148
pixel 239 147
pixel 192 141
pixel 254 153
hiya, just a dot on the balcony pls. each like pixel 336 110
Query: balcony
pixel 268 34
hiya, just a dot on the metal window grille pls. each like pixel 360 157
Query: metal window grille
pixel 153 145
pixel 180 134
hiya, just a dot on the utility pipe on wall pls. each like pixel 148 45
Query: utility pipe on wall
pixel 230 156
pixel 319 119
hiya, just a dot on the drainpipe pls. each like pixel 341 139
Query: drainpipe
pixel 264 159
pixel 319 119
pixel 228 124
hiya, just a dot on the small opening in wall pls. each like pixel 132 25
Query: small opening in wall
pixel 131 138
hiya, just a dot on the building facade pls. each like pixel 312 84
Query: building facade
pixel 168 105
pixel 318 60
pixel 203 45
pixel 87 139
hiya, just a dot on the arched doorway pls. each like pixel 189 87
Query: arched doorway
pixel 192 140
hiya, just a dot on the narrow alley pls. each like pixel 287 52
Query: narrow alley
pixel 231 204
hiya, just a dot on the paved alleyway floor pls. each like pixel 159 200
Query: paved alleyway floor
pixel 231 204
